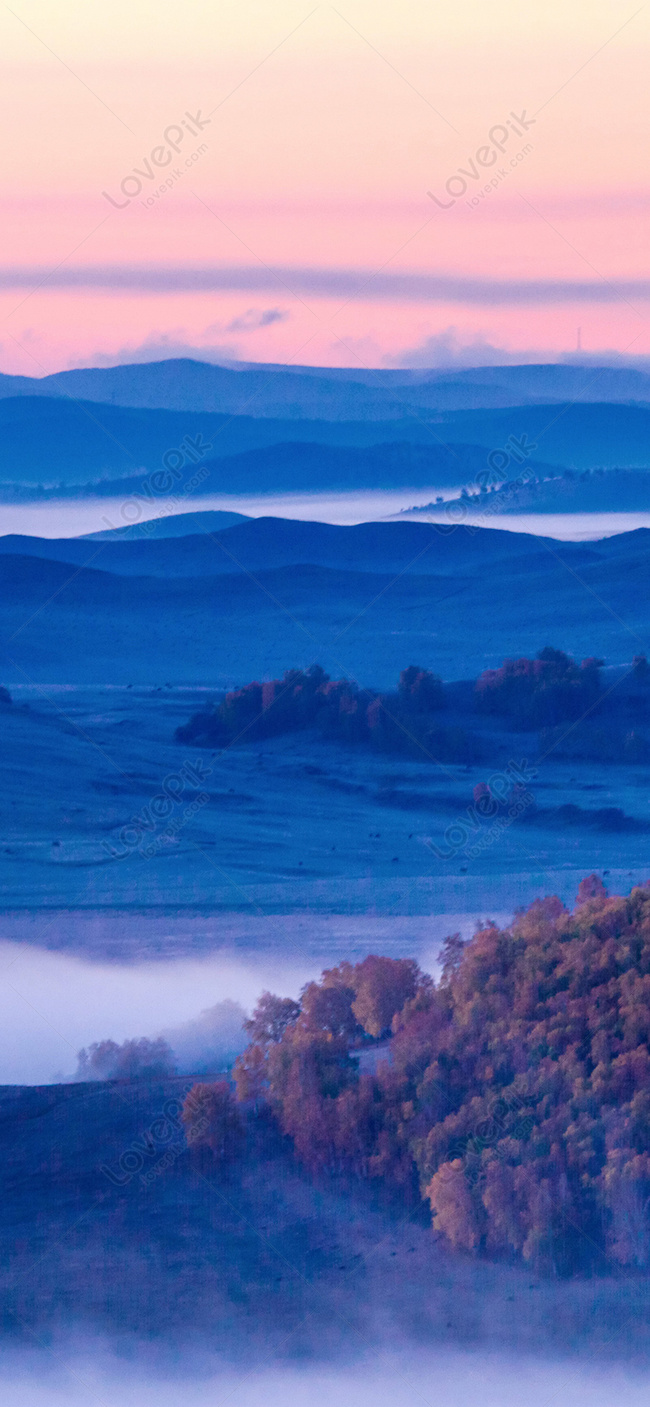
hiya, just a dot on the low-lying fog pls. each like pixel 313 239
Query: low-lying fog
pixel 437 1379
pixel 70 517
pixel 565 527
pixel 52 1003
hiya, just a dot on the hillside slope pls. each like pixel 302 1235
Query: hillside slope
pixel 77 624
pixel 253 1260
pixel 265 544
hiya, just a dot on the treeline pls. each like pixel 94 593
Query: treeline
pixel 538 693
pixel 133 1059
pixel 404 721
pixel 423 715
pixel 513 1095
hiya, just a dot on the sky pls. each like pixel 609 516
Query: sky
pixel 366 183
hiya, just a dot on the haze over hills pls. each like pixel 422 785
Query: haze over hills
pixel 51 442
pixel 355 393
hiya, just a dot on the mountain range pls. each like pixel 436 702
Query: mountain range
pixel 329 393
pixel 52 442
pixel 252 429
pixel 76 444
pixel 268 544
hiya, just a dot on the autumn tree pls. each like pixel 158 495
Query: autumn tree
pixel 420 690
pixel 382 986
pixel 541 692
pixel 453 1208
pixel 515 1092
pixel 270 1018
pixel 211 1119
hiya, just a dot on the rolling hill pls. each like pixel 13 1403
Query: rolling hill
pixel 268 544
pixel 51 442
pixel 60 623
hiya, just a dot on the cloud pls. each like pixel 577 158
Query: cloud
pixel 160 347
pixel 209 1041
pixel 451 350
pixel 168 346
pixel 359 284
pixel 448 349
pixel 255 318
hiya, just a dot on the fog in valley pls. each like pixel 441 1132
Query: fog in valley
pixel 75 517
pixel 438 1379
pixel 52 1004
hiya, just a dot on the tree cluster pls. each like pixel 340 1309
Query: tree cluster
pixel 212 1120
pixel 423 716
pixel 392 722
pixel 514 1096
pixel 542 692
pixel 106 1060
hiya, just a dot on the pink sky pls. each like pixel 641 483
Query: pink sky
pixel 301 201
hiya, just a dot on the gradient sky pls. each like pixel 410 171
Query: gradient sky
pixel 303 231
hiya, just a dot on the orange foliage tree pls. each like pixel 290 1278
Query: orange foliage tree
pixel 516 1092
pixel 211 1119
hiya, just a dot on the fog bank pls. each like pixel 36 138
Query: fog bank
pixel 439 1379
pixel 53 1003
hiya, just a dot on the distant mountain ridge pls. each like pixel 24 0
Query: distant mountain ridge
pixel 45 442
pixel 80 444
pixel 52 441
pixel 281 429
pixel 330 393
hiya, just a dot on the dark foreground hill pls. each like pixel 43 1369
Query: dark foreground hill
pixel 110 1223
pixel 62 622
pixel 269 544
